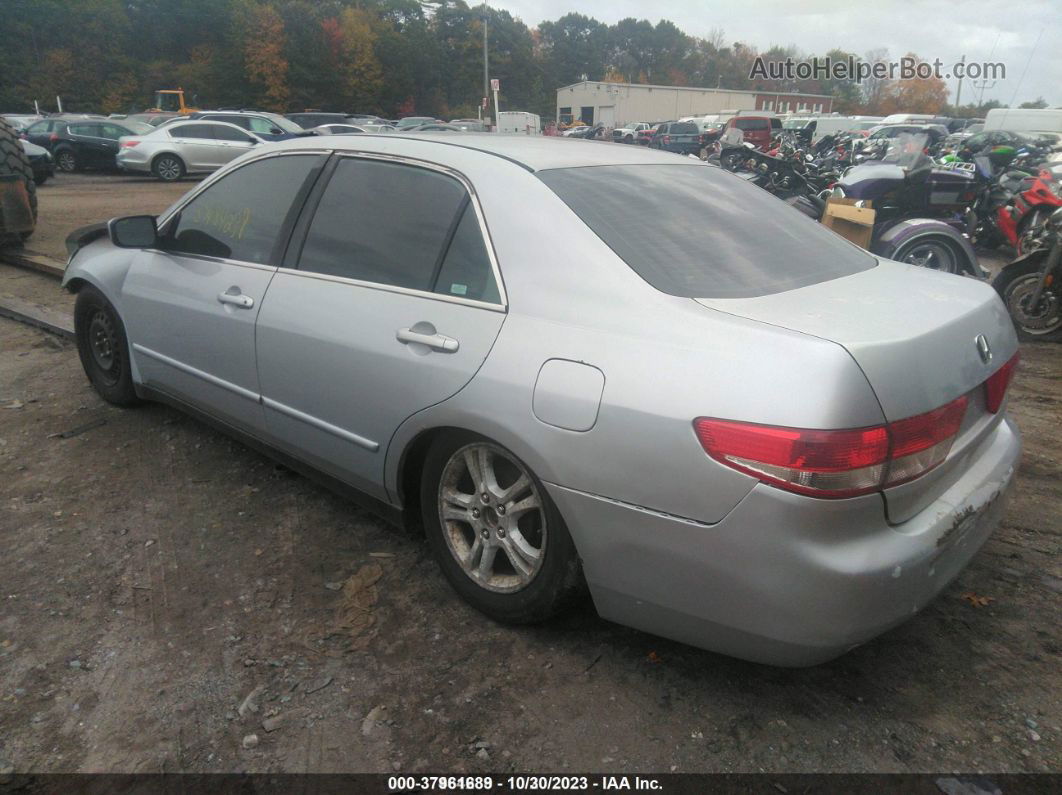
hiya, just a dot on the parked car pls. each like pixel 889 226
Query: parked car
pixel 628 133
pixel 681 137
pixel 154 118
pixel 573 132
pixel 90 143
pixel 312 119
pixel 367 118
pixel 188 147
pixel 801 446
pixel 414 121
pixel 645 136
pixel 935 133
pixel 266 126
pixel 470 125
pixel 433 127
pixel 337 129
pixel 756 130
pixel 21 121
pixel 41 162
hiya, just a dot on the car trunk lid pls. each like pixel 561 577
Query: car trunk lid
pixel 916 334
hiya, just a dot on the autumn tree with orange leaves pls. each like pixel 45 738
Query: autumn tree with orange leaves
pixel 263 56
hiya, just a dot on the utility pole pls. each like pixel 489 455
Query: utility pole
pixel 958 94
pixel 486 79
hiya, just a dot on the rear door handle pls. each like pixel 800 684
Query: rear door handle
pixel 436 342
pixel 236 298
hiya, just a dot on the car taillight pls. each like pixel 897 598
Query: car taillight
pixel 667 139
pixel 997 383
pixel 53 137
pixel 837 463
pixel 129 143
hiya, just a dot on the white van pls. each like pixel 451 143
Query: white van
pixel 1025 120
pixel 517 121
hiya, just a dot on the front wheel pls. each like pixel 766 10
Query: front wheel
pixel 1016 285
pixel 934 252
pixel 494 531
pixel 1027 231
pixel 103 347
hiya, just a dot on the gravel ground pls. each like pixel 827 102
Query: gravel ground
pixel 175 602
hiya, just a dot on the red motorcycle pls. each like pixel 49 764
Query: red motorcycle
pixel 1035 200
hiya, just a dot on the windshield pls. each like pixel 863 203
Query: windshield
pixel 907 150
pixel 287 125
pixel 137 127
pixel 716 236
pixel 794 124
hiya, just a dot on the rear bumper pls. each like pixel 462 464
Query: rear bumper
pixel 131 160
pixel 784 579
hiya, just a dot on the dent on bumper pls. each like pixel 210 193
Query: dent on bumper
pixel 784 579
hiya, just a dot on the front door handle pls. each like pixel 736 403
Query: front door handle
pixel 434 341
pixel 236 298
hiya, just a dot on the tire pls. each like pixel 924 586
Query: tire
pixel 1014 285
pixel 13 160
pixel 168 168
pixel 935 252
pixel 1028 225
pixel 66 161
pixel 628 139
pixel 103 347
pixel 41 179
pixel 520 587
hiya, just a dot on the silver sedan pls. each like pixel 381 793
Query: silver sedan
pixel 184 147
pixel 578 367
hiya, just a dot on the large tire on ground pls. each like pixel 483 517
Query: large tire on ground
pixel 13 160
pixel 103 347
pixel 494 531
pixel 1015 285
pixel 168 168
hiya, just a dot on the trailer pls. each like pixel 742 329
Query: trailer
pixel 516 122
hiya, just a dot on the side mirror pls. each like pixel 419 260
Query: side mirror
pixel 133 231
pixel 275 131
pixel 252 141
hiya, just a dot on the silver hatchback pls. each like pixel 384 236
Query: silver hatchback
pixel 579 367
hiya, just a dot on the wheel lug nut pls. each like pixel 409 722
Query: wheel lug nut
pixel 475 513
pixel 484 497
pixel 501 510
pixel 485 533
pixel 501 532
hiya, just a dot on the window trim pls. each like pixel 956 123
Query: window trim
pixel 298 237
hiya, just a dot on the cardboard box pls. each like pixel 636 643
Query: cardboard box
pixel 853 223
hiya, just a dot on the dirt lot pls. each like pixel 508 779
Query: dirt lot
pixel 167 593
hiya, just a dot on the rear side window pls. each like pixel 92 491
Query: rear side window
pixel 88 130
pixel 399 225
pixel 716 236
pixel 224 133
pixel 193 131
pixel 241 216
pixel 683 128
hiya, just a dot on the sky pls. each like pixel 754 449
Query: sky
pixel 1025 35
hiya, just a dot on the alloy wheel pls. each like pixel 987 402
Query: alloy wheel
pixel 66 161
pixel 168 169
pixel 489 504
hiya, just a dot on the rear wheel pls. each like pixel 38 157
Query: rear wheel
pixel 495 533
pixel 168 168
pixel 103 348
pixel 934 252
pixel 66 160
pixel 1016 285
pixel 1029 227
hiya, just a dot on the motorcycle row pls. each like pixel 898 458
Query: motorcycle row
pixel 932 207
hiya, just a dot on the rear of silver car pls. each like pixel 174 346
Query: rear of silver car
pixel 871 481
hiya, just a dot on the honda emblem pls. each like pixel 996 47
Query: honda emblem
pixel 983 348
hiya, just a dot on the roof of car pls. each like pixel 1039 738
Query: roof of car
pixel 533 153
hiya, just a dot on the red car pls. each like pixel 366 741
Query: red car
pixel 757 130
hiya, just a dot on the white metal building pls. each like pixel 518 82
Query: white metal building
pixel 614 104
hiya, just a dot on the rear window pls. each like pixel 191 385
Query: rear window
pixel 684 128
pixel 750 124
pixel 716 236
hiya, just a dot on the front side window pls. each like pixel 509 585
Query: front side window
pixel 261 125
pixel 399 225
pixel 240 216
